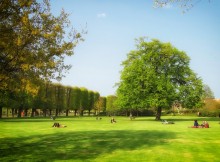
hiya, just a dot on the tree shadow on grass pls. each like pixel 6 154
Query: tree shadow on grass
pixel 84 145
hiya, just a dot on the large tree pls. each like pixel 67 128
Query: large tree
pixel 156 75
pixel 33 43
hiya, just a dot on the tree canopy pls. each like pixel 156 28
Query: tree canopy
pixel 156 75
pixel 33 43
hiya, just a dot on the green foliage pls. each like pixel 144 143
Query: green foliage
pixel 100 105
pixel 96 96
pixel 210 108
pixel 68 97
pixel 208 113
pixel 155 75
pixel 33 43
pixel 84 100
pixel 76 97
pixel 52 97
pixel 111 107
pixel 91 100
pixel 60 96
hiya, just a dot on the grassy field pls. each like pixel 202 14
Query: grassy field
pixel 88 139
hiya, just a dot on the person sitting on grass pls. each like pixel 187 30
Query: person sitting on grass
pixel 132 117
pixel 195 125
pixel 98 118
pixel 206 124
pixel 203 125
pixel 113 120
pixel 58 125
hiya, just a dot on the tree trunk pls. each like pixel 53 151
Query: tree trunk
pixel 7 112
pixel 44 112
pixel 13 112
pixel 50 112
pixel 67 112
pixel 19 112
pixel 26 112
pixel 158 114
pixel 75 111
pixel 57 112
pixel 33 112
pixel 81 112
pixel 16 112
pixel 1 111
pixel 174 111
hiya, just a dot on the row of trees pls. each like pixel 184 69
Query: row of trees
pixel 55 97
pixel 155 75
pixel 33 44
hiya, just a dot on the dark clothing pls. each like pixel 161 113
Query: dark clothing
pixel 196 123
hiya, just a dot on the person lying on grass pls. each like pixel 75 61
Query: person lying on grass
pixel 58 125
pixel 167 122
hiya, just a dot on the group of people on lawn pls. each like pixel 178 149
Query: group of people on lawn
pixel 204 124
pixel 58 125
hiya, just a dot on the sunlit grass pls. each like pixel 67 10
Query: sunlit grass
pixel 88 139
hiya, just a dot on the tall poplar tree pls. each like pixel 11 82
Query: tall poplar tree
pixel 84 100
pixel 60 95
pixel 91 101
pixel 76 99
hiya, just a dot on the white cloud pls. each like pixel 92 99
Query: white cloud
pixel 101 15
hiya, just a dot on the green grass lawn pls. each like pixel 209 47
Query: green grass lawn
pixel 88 139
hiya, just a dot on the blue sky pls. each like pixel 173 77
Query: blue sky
pixel 113 26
